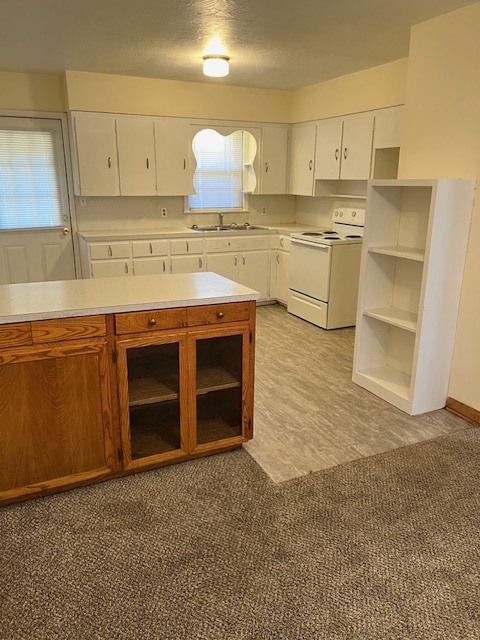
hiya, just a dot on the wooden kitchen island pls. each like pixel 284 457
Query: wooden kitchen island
pixel 106 377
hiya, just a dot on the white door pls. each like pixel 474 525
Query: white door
pixel 274 160
pixel 254 271
pixel 225 264
pixel 174 157
pixel 357 147
pixel 35 225
pixel 328 150
pixel 136 156
pixel 302 157
pixel 95 147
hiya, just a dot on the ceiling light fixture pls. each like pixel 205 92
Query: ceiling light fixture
pixel 216 66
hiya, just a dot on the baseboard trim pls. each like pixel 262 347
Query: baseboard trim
pixel 463 411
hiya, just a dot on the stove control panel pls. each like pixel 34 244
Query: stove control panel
pixel 349 215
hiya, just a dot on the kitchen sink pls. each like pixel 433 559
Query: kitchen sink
pixel 229 227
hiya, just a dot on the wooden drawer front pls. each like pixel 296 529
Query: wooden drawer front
pixel 217 313
pixel 145 248
pixel 137 322
pixel 105 250
pixel 68 329
pixel 12 335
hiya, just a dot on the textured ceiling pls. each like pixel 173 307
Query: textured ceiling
pixel 275 44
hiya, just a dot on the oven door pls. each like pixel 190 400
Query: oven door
pixel 310 268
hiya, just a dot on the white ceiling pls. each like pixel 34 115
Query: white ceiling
pixel 275 44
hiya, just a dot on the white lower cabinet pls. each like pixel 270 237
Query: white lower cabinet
pixel 244 260
pixel 188 264
pixel 414 248
pixel 279 268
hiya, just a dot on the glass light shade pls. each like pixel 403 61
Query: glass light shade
pixel 215 66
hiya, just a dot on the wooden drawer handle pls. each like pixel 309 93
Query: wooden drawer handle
pixel 152 322
pixel 221 314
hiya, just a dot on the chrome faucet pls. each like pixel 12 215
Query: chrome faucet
pixel 220 219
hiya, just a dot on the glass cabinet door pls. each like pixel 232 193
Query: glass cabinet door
pixel 150 402
pixel 219 391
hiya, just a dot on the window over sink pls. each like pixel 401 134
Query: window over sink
pixel 224 173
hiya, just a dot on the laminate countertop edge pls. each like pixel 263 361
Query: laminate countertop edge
pixel 71 298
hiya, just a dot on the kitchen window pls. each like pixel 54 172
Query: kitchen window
pixel 222 175
pixel 30 190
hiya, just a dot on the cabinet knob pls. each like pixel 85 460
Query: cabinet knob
pixel 221 314
pixel 266 167
pixel 152 322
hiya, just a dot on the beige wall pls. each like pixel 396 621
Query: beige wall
pixel 374 88
pixel 442 140
pixel 149 96
pixel 31 92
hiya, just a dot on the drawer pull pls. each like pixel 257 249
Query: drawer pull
pixel 152 322
pixel 221 314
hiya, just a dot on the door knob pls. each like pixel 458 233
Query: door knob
pixel 65 231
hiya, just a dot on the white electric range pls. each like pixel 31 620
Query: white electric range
pixel 324 271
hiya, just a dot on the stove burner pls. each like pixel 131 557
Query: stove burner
pixel 353 236
pixel 312 233
pixel 329 232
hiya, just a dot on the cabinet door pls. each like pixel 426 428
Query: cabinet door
pixel 111 268
pixel 96 156
pixel 174 157
pixel 274 160
pixel 357 147
pixel 152 399
pixel 136 156
pixel 220 398
pixel 281 282
pixel 184 247
pixel 302 157
pixel 56 428
pixel 328 150
pixel 188 264
pixel 225 264
pixel 254 271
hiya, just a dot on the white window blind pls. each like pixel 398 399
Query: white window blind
pixel 30 193
pixel 218 178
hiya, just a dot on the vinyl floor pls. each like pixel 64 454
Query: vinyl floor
pixel 309 415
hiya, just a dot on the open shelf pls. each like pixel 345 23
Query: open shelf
pixel 389 379
pixel 397 317
pixel 408 253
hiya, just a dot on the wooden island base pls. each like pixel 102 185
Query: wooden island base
pixel 93 397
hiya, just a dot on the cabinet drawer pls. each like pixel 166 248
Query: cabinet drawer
pixel 104 250
pixel 68 329
pixel 145 248
pixel 217 313
pixel 182 247
pixel 157 320
pixel 12 335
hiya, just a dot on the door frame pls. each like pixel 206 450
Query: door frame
pixel 62 118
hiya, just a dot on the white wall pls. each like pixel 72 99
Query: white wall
pixel 442 140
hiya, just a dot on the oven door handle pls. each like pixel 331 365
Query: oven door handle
pixel 316 245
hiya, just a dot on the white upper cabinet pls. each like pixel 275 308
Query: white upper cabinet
pixel 174 157
pixel 344 148
pixel 136 156
pixel 95 155
pixel 273 178
pixel 302 159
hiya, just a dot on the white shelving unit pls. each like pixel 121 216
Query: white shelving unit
pixel 413 255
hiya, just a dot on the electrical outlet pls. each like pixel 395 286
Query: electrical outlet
pixel 164 212
pixel 264 211
pixel 83 202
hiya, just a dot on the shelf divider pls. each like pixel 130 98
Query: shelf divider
pixel 397 317
pixel 409 253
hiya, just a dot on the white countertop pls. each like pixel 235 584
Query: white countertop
pixel 69 298
pixel 182 232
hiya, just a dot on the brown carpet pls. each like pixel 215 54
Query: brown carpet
pixel 382 548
